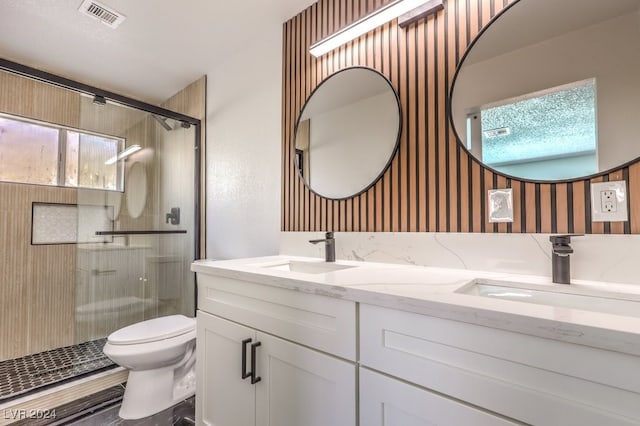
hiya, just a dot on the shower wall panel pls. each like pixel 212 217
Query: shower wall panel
pixel 37 283
pixel 191 101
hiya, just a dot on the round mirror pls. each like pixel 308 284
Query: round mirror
pixel 549 90
pixel 113 202
pixel 136 189
pixel 347 133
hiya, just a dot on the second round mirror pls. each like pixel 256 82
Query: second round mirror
pixel 556 101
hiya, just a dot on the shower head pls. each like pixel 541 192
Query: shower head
pixel 99 100
pixel 162 121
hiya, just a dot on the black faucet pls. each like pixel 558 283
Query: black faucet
pixel 560 265
pixel 329 247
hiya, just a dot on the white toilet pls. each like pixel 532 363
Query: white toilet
pixel 160 355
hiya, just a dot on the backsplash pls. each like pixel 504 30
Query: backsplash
pixel 609 258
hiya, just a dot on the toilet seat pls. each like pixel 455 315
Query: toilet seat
pixel 153 330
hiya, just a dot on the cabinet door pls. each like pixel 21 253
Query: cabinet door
pixel 300 386
pixel 223 398
pixel 388 402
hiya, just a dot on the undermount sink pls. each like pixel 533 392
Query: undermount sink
pixel 307 267
pixel 562 297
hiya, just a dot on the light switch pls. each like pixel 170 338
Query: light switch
pixel 500 205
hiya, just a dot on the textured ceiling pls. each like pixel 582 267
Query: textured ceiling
pixel 162 46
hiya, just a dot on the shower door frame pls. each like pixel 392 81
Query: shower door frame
pixel 66 83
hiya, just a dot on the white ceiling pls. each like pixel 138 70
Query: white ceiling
pixel 162 46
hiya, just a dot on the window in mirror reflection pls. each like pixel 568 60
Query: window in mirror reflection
pixel 548 134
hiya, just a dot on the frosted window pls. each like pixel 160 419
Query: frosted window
pixel 28 152
pixel 91 153
pixel 559 123
pixel 71 163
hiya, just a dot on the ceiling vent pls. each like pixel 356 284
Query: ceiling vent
pixel 496 133
pixel 102 13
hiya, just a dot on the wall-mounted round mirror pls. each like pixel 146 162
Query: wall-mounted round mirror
pixel 136 189
pixel 347 133
pixel 550 89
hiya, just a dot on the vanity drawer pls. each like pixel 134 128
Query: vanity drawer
pixel 385 401
pixel 534 380
pixel 324 323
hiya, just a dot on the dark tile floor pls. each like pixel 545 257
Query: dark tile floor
pixel 101 409
pixel 22 375
pixel 182 414
pixel 67 413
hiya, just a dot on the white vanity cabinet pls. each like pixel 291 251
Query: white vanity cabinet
pixel 533 380
pixel 298 349
pixel 223 396
pixel 327 354
pixel 385 401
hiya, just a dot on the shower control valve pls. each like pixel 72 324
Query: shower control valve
pixel 174 216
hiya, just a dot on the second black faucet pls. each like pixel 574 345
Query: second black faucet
pixel 560 264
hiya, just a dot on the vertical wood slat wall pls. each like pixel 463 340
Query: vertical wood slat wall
pixel 432 184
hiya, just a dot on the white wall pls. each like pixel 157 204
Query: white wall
pixel 557 168
pixel 345 158
pixel 243 150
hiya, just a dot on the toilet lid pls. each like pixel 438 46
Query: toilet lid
pixel 153 330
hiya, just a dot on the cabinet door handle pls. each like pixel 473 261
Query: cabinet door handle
pixel 244 359
pixel 97 272
pixel 254 377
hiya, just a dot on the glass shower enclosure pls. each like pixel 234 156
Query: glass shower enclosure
pixel 140 226
pixel 99 213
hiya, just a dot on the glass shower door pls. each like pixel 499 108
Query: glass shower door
pixel 140 231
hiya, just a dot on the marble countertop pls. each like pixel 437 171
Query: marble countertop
pixel 432 291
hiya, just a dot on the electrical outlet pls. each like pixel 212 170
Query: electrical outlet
pixel 609 201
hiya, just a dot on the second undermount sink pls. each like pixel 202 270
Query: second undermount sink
pixel 307 267
pixel 564 296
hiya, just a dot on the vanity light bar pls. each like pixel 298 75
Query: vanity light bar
pixel 364 25
pixel 124 154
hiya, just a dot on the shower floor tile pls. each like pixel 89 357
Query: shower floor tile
pixel 22 375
